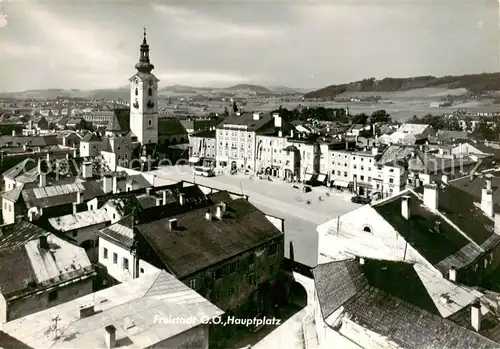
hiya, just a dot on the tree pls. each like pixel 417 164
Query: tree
pixel 85 125
pixel 235 107
pixel 360 119
pixel 380 116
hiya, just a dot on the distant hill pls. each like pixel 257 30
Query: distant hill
pixel 249 87
pixel 475 83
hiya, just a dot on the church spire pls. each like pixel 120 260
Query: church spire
pixel 144 65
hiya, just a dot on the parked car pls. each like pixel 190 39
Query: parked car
pixel 361 200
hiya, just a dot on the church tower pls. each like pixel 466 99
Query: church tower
pixel 144 99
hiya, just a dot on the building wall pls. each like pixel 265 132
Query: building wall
pixel 271 154
pixel 38 302
pixel 362 168
pixel 365 338
pixel 340 165
pixel 196 143
pixel 236 144
pixel 9 183
pixel 236 289
pixel 196 337
pixel 3 310
pixel 309 157
pixel 116 270
pixel 90 149
pixel 394 180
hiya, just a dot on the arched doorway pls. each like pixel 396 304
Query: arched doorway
pixel 298 295
pixel 234 166
pixel 92 249
pixel 268 171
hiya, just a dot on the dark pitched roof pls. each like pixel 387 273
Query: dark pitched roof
pixel 490 324
pixel 420 231
pixel 120 232
pixel 14 194
pixel 474 185
pixel 19 233
pixel 31 141
pixel 197 244
pixel 92 137
pixel 204 134
pixel 9 342
pixel 120 121
pixel 170 126
pixel 390 299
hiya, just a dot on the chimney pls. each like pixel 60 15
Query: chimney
pixel 48 158
pixel 291 133
pixel 115 184
pixel 75 154
pixel 431 196
pixel 280 134
pixel 417 182
pixel 219 213
pixel 405 206
pixel 110 337
pixel 208 215
pixel 79 197
pixel 44 244
pixel 181 199
pixel 444 179
pixel 452 274
pixel 487 201
pixel 172 223
pixel 374 151
pixel 441 151
pixel 25 147
pixel 31 216
pixel 87 170
pixel 74 208
pixel 13 133
pixel 86 311
pixel 488 182
pixel 361 260
pixel 43 180
pixel 164 197
pixel 107 184
pixel 148 191
pixel 256 116
pixel 158 201
pixel 475 315
pixel 444 299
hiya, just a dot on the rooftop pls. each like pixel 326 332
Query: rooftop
pixel 390 299
pixel 246 119
pixel 132 308
pixel 197 243
pixel 26 267
pixel 80 220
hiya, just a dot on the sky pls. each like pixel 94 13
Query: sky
pixel 301 44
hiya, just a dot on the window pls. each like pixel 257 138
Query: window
pixel 390 190
pixel 369 179
pixel 231 290
pixel 150 91
pixel 125 263
pixel 362 178
pixel 345 174
pixel 251 280
pixel 142 270
pixel 273 248
pixel 75 234
pixel 53 296
pixel 136 91
pixel 192 284
pixel 391 170
pixel 367 229
pixel 92 207
pixel 338 173
pixel 391 180
pixel 251 259
pixel 114 214
pixel 362 168
pixel 354 166
pixel 10 208
pixel 105 253
pixel 150 122
pixel 354 158
pixel 115 258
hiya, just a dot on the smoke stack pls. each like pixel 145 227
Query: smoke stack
pixel 13 133
pixel 172 223
pixel 78 198
pixel 181 199
pixel 487 202
pixel 115 184
pixel 475 315
pixel 74 208
pixel 291 133
pixel 87 170
pixel 361 260
pixel 148 191
pixel 208 215
pixel 158 201
pixel 219 212
pixel 43 180
pixel 488 182
pixel 452 274
pixel 44 244
pixel 164 197
pixel 405 206
pixel 431 196
pixel 110 338
pixel 107 184
pixel 374 151
pixel 280 133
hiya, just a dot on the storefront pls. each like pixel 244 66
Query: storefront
pixel 341 185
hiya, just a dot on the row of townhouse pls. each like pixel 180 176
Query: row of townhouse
pixel 257 143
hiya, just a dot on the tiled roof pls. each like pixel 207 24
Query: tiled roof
pixel 490 324
pixel 21 168
pixel 204 134
pixel 197 243
pixel 132 308
pixel 389 299
pixel 433 237
pixel 120 232
pixel 31 141
pixel 92 137
pixel 247 120
pixel 61 194
pixel 170 126
pixel 120 121
pixel 14 194
pixel 474 185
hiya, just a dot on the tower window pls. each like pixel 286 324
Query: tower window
pixel 136 91
pixel 150 122
pixel 150 91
